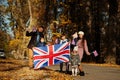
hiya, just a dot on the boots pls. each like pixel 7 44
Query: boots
pixel 82 73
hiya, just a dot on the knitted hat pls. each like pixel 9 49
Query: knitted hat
pixel 75 48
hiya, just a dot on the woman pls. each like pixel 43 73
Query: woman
pixel 82 46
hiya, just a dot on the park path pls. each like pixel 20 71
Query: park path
pixel 96 72
pixel 19 70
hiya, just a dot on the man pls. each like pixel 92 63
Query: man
pixel 36 35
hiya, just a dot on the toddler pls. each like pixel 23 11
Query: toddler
pixel 75 61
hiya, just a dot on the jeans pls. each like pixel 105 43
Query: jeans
pixel 67 66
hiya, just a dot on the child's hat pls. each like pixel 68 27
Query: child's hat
pixel 75 48
pixel 81 32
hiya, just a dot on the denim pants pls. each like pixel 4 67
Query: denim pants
pixel 66 64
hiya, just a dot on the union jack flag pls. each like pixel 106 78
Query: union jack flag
pixel 95 53
pixel 50 55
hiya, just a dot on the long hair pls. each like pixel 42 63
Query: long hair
pixel 83 39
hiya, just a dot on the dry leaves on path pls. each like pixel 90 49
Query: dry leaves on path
pixel 17 70
pixel 30 74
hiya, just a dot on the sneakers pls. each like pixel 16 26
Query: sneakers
pixel 74 74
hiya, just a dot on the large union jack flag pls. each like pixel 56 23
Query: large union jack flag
pixel 50 55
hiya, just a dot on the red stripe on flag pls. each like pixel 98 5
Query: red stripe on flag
pixel 62 59
pixel 51 55
pixel 39 64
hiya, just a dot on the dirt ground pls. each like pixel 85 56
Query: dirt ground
pixel 19 70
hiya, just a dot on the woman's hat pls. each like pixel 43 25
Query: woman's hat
pixel 81 32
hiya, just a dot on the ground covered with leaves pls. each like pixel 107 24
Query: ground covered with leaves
pixel 19 70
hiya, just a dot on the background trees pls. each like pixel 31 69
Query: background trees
pixel 99 19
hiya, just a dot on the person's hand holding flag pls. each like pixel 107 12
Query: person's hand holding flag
pixel 95 53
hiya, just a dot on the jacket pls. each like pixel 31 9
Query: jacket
pixel 82 46
pixel 32 42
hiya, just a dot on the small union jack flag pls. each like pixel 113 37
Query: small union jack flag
pixel 95 53
pixel 50 55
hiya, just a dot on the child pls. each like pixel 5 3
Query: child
pixel 41 43
pixel 64 40
pixel 55 39
pixel 74 40
pixel 75 61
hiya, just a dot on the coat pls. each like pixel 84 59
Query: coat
pixel 82 46
pixel 63 41
pixel 41 44
pixel 32 42
pixel 74 59
pixel 73 43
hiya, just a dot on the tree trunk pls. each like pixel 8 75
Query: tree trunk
pixel 36 10
pixel 111 32
pixel 118 36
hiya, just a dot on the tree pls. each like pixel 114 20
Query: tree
pixel 20 12
pixel 3 16
pixel 4 35
pixel 4 41
pixel 112 30
pixel 99 19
